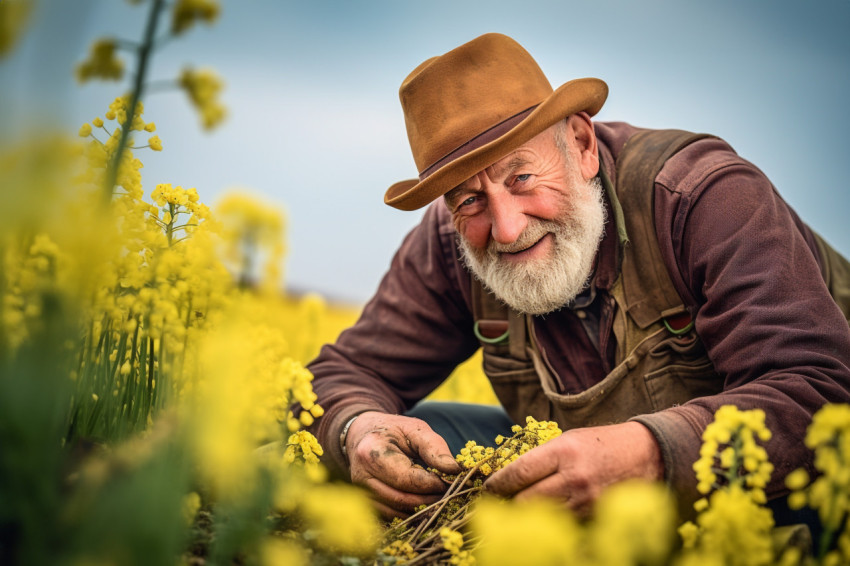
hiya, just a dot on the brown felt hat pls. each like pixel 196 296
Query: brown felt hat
pixel 470 107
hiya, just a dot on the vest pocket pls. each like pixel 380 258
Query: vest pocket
pixel 679 370
pixel 679 383
pixel 687 347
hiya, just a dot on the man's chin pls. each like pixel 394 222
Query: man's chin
pixel 535 302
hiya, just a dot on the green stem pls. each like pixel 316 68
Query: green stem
pixel 145 50
pixel 825 543
pixel 169 228
pixel 832 524
pixel 149 394
pixel 733 475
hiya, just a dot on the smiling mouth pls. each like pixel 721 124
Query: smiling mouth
pixel 520 253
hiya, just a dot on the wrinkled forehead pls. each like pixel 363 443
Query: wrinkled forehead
pixel 526 154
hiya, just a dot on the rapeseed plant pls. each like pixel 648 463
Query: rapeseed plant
pixel 829 437
pixel 732 525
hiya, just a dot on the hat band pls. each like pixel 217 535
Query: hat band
pixel 481 139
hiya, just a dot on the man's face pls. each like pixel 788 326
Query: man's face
pixel 529 225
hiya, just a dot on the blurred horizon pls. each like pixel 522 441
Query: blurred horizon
pixel 315 127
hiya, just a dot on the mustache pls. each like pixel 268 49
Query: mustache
pixel 533 233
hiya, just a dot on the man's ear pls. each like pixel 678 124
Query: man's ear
pixel 580 133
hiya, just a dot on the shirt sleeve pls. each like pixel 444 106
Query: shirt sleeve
pixel 748 270
pixel 411 335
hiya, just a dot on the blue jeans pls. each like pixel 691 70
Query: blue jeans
pixel 458 423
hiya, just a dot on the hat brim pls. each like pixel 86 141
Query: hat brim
pixel 579 95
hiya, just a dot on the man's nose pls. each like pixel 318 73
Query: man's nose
pixel 506 217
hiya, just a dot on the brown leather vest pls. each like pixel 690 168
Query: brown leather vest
pixel 657 366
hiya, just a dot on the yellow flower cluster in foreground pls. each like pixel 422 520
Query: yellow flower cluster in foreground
pixel 633 524
pixel 829 437
pixel 730 448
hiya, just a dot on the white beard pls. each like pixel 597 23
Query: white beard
pixel 545 285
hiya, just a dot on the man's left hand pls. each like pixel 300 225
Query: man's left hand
pixel 578 465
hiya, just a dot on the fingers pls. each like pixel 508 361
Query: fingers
pixel 391 502
pixel 382 450
pixel 388 513
pixel 385 446
pixel 556 487
pixel 528 469
pixel 383 459
pixel 551 487
pixel 432 448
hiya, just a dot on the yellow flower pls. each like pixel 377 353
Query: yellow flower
pixel 524 439
pixel 150 127
pixel 278 552
pixel 539 532
pixel 14 15
pixel 689 533
pixel 306 418
pixel 155 143
pixel 203 87
pixel 97 122
pixel 401 550
pixel 303 446
pixel 102 62
pixel 829 436
pixel 343 517
pixel 735 528
pixel 251 229
pixel 452 540
pixel 191 505
pixel 634 524
pixel 798 479
pixel 186 12
pixel 729 445
pixel 85 130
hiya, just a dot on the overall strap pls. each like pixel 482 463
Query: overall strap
pixel 495 324
pixel 648 291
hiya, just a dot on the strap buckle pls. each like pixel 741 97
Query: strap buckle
pixel 491 331
pixel 679 324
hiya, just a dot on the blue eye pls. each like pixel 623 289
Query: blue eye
pixel 468 201
pixel 523 178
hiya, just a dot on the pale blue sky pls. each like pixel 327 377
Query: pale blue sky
pixel 315 126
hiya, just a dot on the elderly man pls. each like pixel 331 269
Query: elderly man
pixel 623 282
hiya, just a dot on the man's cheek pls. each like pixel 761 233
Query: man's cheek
pixel 476 232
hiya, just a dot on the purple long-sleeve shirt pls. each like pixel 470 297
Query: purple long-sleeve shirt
pixel 745 265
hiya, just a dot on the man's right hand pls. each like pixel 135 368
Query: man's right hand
pixel 382 450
